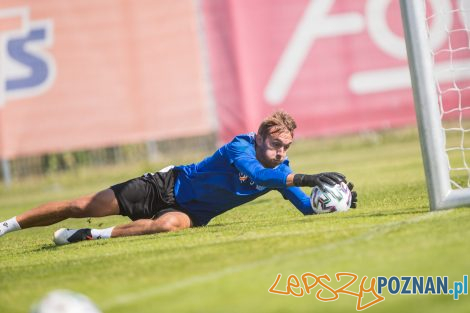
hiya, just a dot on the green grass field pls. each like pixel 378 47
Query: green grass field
pixel 229 265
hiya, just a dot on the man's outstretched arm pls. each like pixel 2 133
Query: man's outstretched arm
pixel 276 178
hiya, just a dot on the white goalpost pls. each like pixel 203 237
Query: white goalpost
pixel 438 48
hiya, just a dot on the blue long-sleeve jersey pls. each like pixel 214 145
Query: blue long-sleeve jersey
pixel 230 177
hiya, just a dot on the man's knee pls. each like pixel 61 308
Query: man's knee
pixel 172 222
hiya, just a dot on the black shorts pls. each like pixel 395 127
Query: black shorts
pixel 146 196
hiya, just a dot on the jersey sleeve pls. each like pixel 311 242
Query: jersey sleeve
pixel 298 198
pixel 241 153
pixel 295 195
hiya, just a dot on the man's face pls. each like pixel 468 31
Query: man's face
pixel 272 151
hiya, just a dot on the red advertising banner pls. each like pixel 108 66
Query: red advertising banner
pixel 337 66
pixel 86 74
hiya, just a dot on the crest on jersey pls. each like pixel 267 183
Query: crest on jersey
pixel 242 177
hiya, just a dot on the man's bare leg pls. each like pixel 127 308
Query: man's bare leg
pixel 172 220
pixel 103 203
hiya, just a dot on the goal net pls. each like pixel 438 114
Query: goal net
pixel 438 47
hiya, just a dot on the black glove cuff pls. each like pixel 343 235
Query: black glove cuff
pixel 298 179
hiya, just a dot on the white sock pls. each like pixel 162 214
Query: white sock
pixel 9 226
pixel 102 233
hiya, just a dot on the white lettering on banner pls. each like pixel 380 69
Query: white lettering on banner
pixel 316 23
pixel 380 80
pixel 397 78
pixel 393 45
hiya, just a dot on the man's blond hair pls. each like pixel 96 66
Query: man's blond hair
pixel 278 122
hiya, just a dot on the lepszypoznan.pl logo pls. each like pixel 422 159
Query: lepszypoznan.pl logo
pixel 403 285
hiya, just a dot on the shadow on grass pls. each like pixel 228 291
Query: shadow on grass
pixel 301 220
pixel 46 247
pixel 405 211
pixel 262 224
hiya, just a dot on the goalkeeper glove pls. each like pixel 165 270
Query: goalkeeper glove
pixel 353 195
pixel 328 178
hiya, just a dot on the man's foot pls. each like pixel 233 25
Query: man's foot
pixel 65 236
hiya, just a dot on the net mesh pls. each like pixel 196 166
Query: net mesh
pixel 448 25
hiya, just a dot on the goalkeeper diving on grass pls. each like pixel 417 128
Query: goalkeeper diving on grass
pixel 180 197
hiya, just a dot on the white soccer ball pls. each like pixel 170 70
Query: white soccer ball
pixel 336 198
pixel 65 301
